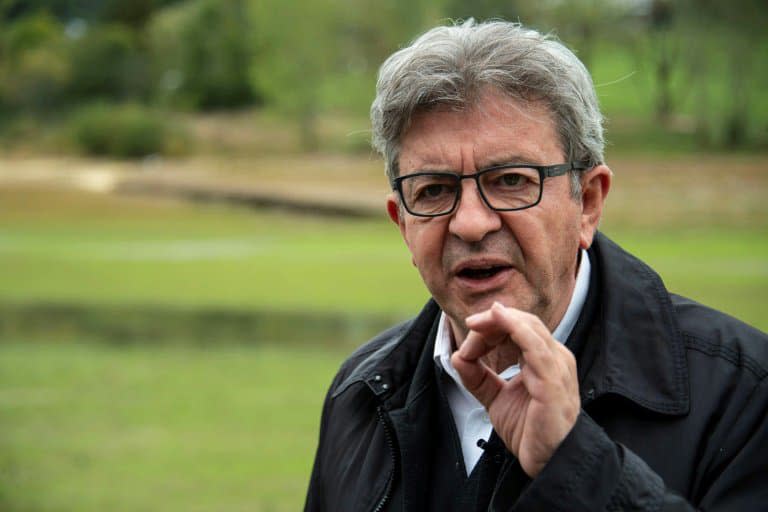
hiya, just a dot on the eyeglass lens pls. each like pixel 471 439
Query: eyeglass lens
pixel 503 189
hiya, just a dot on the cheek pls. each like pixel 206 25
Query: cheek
pixel 425 241
pixel 545 238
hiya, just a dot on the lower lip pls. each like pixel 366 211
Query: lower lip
pixel 487 284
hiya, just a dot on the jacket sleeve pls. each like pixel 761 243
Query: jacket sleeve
pixel 591 472
pixel 314 491
pixel 314 500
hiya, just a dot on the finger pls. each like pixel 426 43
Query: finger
pixel 558 381
pixel 477 344
pixel 479 380
pixel 488 333
pixel 543 356
pixel 524 328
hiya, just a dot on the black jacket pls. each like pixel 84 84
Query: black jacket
pixel 674 411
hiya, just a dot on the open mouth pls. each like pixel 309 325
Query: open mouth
pixel 481 272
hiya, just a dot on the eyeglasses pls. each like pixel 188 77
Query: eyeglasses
pixel 504 188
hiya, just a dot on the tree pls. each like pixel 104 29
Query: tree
pixel 726 46
pixel 34 64
pixel 108 63
pixel 482 10
pixel 325 53
pixel 296 50
pixel 580 23
pixel 202 52
pixel 130 12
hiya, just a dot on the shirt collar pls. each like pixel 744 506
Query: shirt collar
pixel 579 297
pixel 444 346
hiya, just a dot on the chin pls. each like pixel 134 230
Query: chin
pixel 527 304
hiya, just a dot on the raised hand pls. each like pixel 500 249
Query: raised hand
pixel 534 411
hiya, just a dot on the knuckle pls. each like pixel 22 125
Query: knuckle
pixel 568 355
pixel 530 317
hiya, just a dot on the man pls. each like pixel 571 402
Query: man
pixel 552 370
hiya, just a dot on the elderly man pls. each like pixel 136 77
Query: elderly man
pixel 551 370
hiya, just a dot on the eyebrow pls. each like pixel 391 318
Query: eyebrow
pixel 512 160
pixel 494 162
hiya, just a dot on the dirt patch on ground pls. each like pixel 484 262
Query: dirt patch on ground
pixel 690 190
pixel 683 190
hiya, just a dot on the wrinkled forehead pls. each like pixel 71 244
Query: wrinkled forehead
pixel 496 125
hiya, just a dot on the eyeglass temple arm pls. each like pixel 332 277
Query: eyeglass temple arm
pixel 551 171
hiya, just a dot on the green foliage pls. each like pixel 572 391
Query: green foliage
pixel 701 61
pixel 123 131
pixel 43 69
pixel 29 33
pixel 34 65
pixel 202 51
pixel 108 63
pixel 296 51
pixel 482 10
pixel 313 56
pixel 129 12
pixel 686 69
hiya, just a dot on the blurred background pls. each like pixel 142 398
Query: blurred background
pixel 192 232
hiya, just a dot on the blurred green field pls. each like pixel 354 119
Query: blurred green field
pixel 96 250
pixel 59 246
pixel 94 427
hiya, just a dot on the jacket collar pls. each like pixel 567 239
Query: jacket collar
pixel 639 352
pixel 388 369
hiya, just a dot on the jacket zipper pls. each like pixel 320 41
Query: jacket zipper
pixel 393 454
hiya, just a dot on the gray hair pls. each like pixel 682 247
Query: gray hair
pixel 449 66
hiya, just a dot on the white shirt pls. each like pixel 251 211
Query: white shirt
pixel 472 421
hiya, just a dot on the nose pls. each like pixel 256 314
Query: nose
pixel 473 219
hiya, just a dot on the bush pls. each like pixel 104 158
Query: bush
pixel 36 82
pixel 108 63
pixel 123 131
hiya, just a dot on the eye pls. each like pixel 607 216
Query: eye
pixel 433 190
pixel 511 179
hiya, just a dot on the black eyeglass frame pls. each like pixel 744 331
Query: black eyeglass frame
pixel 545 171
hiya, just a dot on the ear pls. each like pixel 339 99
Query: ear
pixel 395 213
pixel 595 185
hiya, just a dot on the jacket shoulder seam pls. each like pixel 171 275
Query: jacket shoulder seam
pixel 738 359
pixel 361 355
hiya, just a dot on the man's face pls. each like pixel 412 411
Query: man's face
pixel 526 259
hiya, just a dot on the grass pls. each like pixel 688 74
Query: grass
pixel 362 269
pixel 703 230
pixel 97 427
pixel 99 250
